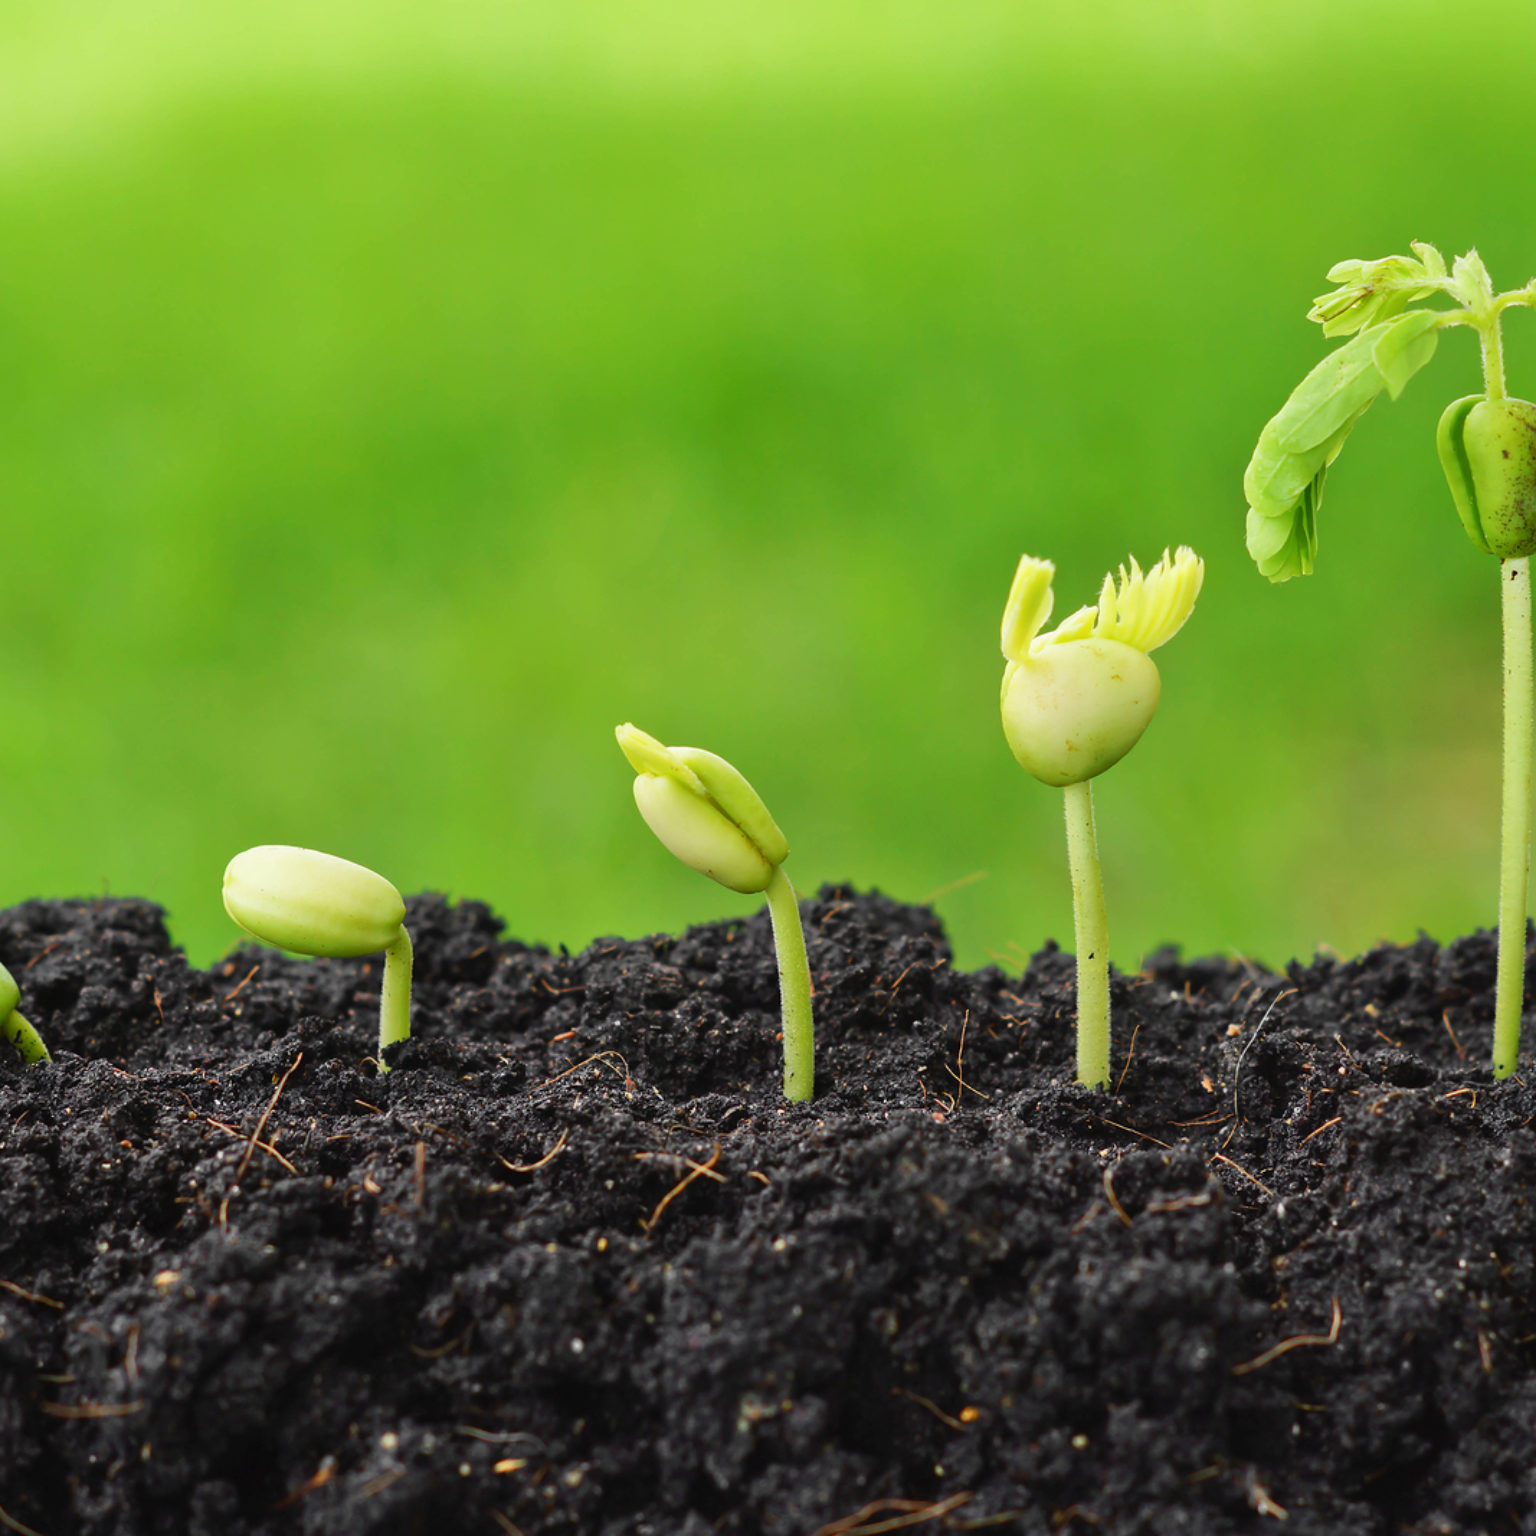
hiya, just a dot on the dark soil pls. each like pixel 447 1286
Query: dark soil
pixel 574 1266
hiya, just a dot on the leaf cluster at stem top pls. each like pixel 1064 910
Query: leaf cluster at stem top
pixel 1378 305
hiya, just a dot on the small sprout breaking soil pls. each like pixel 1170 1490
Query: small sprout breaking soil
pixel 14 1027
pixel 706 813
pixel 1075 701
pixel 317 904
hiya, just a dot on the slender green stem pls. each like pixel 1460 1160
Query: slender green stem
pixel 794 989
pixel 24 1037
pixel 395 996
pixel 1092 924
pixel 1493 355
pixel 1515 831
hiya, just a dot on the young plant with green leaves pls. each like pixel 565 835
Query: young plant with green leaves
pixel 13 1027
pixel 1075 701
pixel 706 813
pixel 1487 445
pixel 317 904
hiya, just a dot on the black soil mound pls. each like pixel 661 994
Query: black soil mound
pixel 575 1267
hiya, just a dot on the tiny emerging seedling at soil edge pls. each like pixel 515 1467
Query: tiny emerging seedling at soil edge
pixel 317 904
pixel 14 1027
pixel 707 814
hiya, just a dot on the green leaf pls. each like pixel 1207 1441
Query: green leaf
pixel 1331 396
pixel 1284 478
pixel 1404 347
pixel 1030 600
pixel 1429 258
pixel 1366 307
pixel 1371 292
pixel 1283 547
pixel 1275 479
pixel 1472 281
pixel 1349 273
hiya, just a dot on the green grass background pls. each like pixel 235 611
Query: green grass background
pixel 394 397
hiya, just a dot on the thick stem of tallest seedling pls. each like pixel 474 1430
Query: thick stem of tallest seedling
pixel 1515 831
pixel 1092 924
pixel 395 996
pixel 794 989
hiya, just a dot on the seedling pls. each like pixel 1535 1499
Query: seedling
pixel 14 1027
pixel 707 814
pixel 316 904
pixel 1487 447
pixel 1075 701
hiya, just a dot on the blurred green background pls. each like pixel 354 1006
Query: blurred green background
pixel 394 397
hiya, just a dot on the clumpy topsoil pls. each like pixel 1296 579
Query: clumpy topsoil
pixel 575 1267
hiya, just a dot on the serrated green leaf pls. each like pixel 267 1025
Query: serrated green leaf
pixel 1331 396
pixel 1404 347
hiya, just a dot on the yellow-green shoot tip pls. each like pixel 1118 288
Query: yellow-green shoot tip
pixel 1146 609
pixel 1030 599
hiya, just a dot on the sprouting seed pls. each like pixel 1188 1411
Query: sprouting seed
pixel 317 904
pixel 1075 701
pixel 1487 446
pixel 13 1027
pixel 707 814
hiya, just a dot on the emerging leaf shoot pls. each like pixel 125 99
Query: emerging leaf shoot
pixel 711 818
pixel 13 1027
pixel 1075 701
pixel 317 904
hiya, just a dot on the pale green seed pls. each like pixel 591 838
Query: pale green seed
pixel 1073 709
pixel 1488 451
pixel 696 831
pixel 312 903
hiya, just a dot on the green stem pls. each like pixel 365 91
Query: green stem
pixel 1092 924
pixel 794 990
pixel 1492 339
pixel 395 996
pixel 25 1038
pixel 1515 829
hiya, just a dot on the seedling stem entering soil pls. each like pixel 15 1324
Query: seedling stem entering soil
pixel 711 818
pixel 1075 701
pixel 1487 446
pixel 316 904
pixel 14 1027
pixel 1090 920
